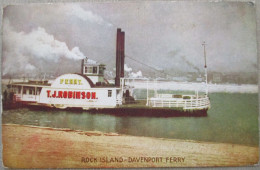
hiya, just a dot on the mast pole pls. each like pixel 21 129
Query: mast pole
pixel 205 67
pixel 147 92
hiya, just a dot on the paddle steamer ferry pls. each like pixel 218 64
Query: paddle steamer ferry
pixel 91 91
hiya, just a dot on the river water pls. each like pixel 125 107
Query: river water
pixel 233 118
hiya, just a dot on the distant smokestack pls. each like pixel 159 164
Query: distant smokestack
pixel 120 55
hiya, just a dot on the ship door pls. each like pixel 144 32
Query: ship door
pixel 127 94
pixel 38 90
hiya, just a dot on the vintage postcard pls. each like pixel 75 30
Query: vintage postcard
pixel 130 84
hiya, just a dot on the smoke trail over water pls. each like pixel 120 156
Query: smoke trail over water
pixel 190 64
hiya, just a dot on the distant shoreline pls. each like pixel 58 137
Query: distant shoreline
pixel 185 86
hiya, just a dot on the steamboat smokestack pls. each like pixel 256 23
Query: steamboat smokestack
pixel 82 66
pixel 120 55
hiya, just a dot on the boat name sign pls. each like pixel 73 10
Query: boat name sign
pixel 71 94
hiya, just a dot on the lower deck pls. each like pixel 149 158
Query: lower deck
pixel 137 108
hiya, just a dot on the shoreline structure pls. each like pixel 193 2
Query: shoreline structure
pixel 27 146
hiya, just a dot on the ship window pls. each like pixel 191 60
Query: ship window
pixel 30 91
pixel 19 89
pixel 24 90
pixel 94 69
pixel 89 70
pixel 109 93
pixel 39 90
pixel 101 70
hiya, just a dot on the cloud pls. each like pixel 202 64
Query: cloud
pixel 89 16
pixel 127 69
pixel 29 67
pixel 23 51
pixel 136 75
pixel 229 34
pixel 132 74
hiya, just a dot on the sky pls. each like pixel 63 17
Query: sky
pixel 165 35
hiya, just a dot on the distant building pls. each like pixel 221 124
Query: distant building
pixel 199 79
pixel 233 77
pixel 216 77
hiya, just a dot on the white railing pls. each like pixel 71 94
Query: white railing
pixel 164 95
pixel 26 97
pixel 118 101
pixel 186 104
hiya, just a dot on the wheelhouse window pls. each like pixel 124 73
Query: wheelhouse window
pixel 101 69
pixel 109 93
pixel 95 70
pixel 89 70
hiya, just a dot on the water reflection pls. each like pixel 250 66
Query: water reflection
pixel 235 122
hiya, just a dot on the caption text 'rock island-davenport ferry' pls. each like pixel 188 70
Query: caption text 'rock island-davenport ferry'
pixel 91 91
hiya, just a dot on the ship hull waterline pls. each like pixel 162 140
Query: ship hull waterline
pixel 122 110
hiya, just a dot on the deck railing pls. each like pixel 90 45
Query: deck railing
pixel 26 97
pixel 119 101
pixel 186 104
